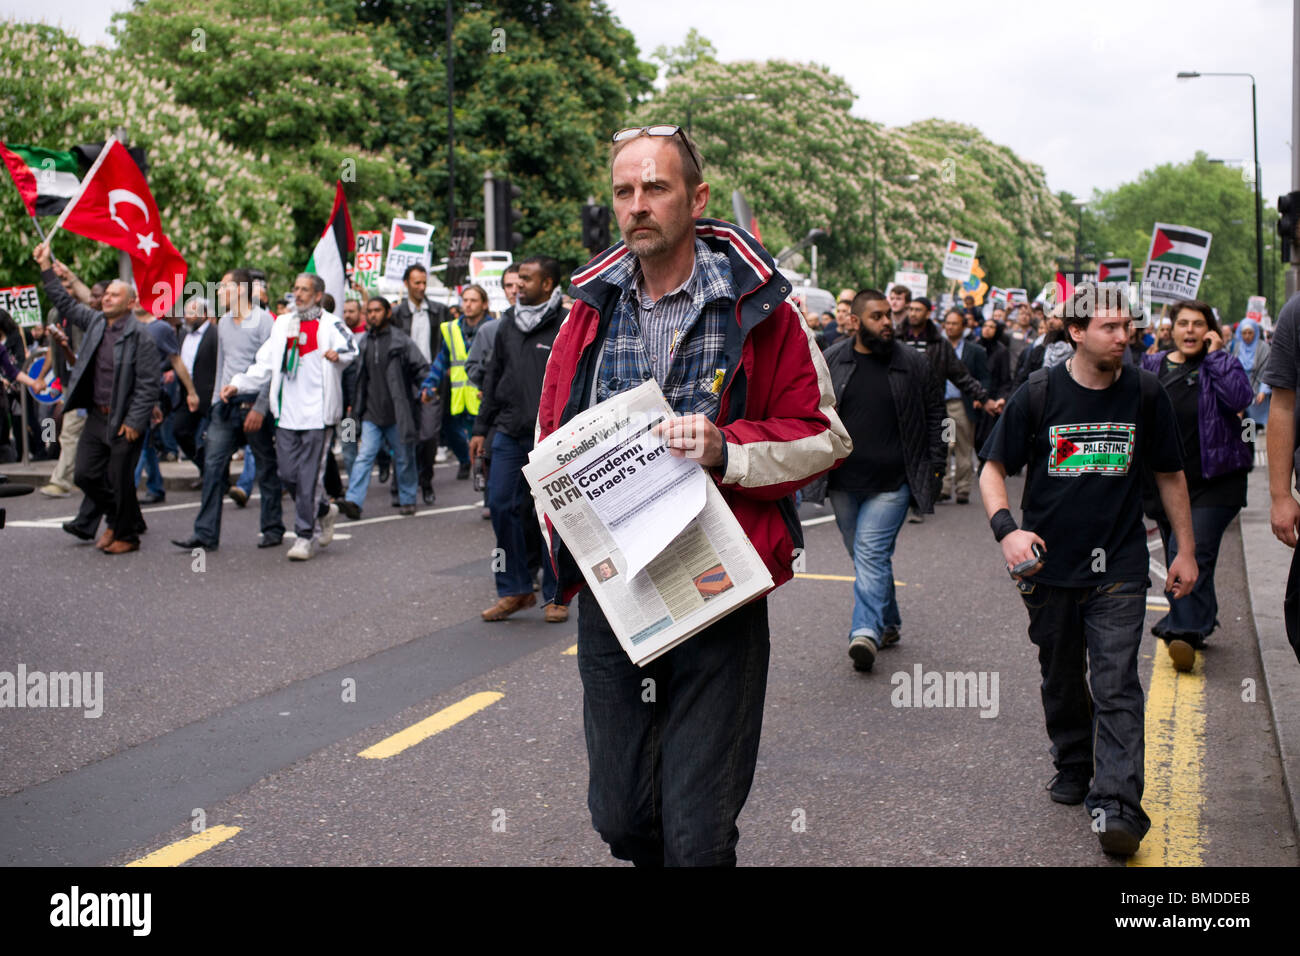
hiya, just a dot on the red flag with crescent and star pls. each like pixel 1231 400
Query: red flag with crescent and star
pixel 116 207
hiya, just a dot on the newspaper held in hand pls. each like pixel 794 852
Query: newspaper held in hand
pixel 663 554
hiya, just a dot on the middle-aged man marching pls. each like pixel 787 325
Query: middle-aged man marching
pixel 116 379
pixel 892 407
pixel 303 359
pixel 698 305
pixel 390 369
pixel 961 409
pixel 457 339
pixel 421 320
pixel 512 388
pixel 237 419
pixel 1283 376
pixel 1086 429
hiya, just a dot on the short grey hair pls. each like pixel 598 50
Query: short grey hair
pixel 200 304
pixel 317 283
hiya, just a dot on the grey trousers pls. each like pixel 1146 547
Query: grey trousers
pixel 73 424
pixel 301 456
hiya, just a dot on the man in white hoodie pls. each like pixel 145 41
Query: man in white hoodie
pixel 303 360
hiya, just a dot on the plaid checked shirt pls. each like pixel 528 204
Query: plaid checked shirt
pixel 678 341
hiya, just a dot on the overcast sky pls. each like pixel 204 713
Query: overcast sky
pixel 1087 91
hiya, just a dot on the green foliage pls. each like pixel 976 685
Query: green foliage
pixel 803 161
pixel 218 205
pixel 540 87
pixel 299 93
pixel 678 59
pixel 1206 196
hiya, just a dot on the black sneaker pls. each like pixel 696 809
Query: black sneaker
pixel 1119 838
pixel 351 509
pixel 889 637
pixel 863 651
pixel 462 473
pixel 1070 785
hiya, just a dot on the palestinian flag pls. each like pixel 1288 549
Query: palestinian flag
pixel 1115 270
pixel 46 178
pixel 329 258
pixel 1179 246
pixel 1064 287
pixel 410 236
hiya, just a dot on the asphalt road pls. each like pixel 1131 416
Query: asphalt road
pixel 244 693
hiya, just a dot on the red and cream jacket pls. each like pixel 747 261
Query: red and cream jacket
pixel 777 409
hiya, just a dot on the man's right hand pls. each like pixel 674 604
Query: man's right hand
pixel 42 255
pixel 476 447
pixel 252 421
pixel 228 392
pixel 1284 515
pixel 1018 547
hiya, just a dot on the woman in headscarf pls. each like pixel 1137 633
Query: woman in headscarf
pixel 1209 390
pixel 1252 352
pixel 992 340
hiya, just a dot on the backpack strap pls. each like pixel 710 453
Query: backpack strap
pixel 1150 391
pixel 1037 384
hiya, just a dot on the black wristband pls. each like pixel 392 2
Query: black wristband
pixel 1003 524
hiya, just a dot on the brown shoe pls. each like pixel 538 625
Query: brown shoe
pixel 105 539
pixel 556 613
pixel 121 547
pixel 508 605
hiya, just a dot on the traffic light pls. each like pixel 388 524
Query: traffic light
pixel 1288 224
pixel 504 214
pixel 595 227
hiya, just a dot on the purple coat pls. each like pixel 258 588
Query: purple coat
pixel 1224 393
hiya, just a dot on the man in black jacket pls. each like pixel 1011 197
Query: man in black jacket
pixel 116 379
pixel 891 403
pixel 199 353
pixel 422 320
pixel 924 336
pixel 961 410
pixel 512 392
pixel 384 401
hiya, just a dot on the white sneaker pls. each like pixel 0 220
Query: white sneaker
pixel 443 455
pixel 327 525
pixel 55 491
pixel 304 549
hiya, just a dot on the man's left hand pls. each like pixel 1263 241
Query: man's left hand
pixel 192 401
pixel 129 433
pixel 332 356
pixel 692 436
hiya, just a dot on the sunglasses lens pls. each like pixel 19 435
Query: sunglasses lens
pixel 662 130
pixel 627 133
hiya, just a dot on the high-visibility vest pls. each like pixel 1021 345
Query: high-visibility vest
pixel 464 396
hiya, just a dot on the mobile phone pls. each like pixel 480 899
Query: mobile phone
pixel 1030 564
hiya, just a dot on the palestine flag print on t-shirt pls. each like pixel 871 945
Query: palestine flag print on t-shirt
pixel 1098 449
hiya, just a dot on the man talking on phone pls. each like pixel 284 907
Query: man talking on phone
pixel 1086 429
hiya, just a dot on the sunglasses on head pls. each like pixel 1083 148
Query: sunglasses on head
pixel 632 132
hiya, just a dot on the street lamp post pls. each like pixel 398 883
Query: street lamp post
pixel 1259 202
pixel 875 232
pixel 1078 238
pixel 690 103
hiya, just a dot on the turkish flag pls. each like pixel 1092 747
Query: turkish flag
pixel 116 207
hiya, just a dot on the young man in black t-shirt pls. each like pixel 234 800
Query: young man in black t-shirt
pixel 1087 597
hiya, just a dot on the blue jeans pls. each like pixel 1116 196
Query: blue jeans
pixel 148 464
pixel 671 771
pixel 869 525
pixel 372 438
pixel 248 474
pixel 1196 615
pixel 1093 634
pixel 512 507
pixel 455 435
pixel 225 434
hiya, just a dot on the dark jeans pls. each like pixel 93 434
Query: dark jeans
pixel 188 428
pixel 1094 633
pixel 224 437
pixel 455 435
pixel 1194 617
pixel 1291 604
pixel 425 452
pixel 105 471
pixel 672 761
pixel 512 510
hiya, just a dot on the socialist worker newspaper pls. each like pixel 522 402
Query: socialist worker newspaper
pixel 662 552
